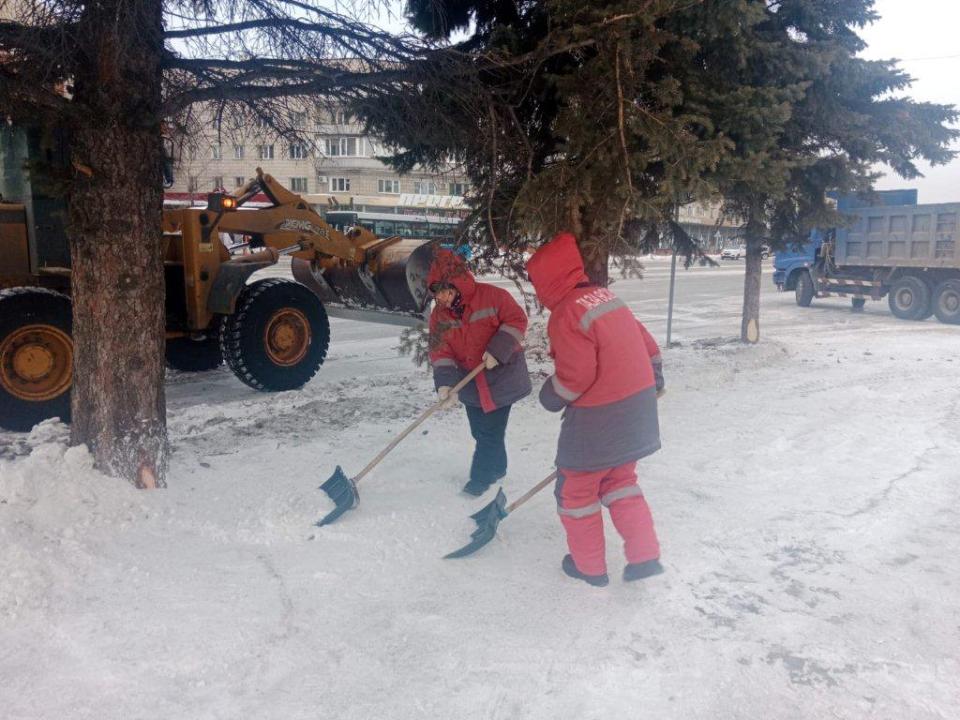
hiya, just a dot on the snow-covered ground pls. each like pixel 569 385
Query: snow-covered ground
pixel 807 499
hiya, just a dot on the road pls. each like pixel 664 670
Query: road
pixel 707 307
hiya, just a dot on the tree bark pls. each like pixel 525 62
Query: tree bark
pixel 596 261
pixel 115 210
pixel 595 253
pixel 750 322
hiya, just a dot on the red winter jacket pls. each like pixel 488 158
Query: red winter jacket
pixel 607 365
pixel 486 319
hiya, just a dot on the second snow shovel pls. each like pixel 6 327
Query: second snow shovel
pixel 343 490
pixel 489 517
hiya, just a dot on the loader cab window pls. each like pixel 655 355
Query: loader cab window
pixel 342 221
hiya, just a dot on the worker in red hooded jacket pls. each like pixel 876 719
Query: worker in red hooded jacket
pixel 472 323
pixel 608 375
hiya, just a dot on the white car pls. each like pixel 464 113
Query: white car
pixel 733 253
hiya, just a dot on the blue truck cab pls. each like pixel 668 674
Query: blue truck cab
pixel 790 263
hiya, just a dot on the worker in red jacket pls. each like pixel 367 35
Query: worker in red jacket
pixel 472 323
pixel 608 375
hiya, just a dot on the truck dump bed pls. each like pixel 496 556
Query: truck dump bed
pixel 919 236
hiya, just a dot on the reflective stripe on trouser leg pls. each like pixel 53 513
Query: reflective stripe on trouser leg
pixel 578 504
pixel 630 513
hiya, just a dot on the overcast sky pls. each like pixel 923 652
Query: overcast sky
pixel 923 34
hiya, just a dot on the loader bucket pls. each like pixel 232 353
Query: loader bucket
pixel 394 280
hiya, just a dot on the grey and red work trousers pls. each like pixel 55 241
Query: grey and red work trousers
pixel 580 498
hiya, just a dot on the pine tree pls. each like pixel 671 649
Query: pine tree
pixel 562 117
pixel 601 117
pixel 808 117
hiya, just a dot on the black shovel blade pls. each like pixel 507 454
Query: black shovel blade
pixel 343 491
pixel 487 519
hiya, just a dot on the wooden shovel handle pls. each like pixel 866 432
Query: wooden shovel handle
pixel 531 492
pixel 416 423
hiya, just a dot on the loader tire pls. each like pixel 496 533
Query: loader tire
pixel 278 337
pixel 909 298
pixel 36 357
pixel 946 302
pixel 804 289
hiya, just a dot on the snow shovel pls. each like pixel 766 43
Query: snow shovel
pixel 489 517
pixel 343 490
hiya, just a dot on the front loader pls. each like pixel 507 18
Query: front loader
pixel 272 333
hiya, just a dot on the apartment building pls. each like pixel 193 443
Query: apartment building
pixel 703 222
pixel 334 163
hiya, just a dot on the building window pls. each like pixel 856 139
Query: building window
pixel 344 147
pixel 239 181
pixel 340 117
pixel 265 152
pixel 298 151
pixel 298 119
pixel 265 123
pixel 216 152
pixel 192 153
pixel 217 181
pixel 459 188
pixel 339 184
pixel 238 152
pixel 321 179
pixel 193 184
pixel 298 184
pixel 424 187
pixel 388 186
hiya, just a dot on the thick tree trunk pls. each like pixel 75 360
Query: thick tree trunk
pixel 596 261
pixel 594 251
pixel 750 322
pixel 115 208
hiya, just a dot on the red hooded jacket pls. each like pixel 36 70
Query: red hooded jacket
pixel 607 364
pixel 486 319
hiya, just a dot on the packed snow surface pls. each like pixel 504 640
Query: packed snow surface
pixel 807 499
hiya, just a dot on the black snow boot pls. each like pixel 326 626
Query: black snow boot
pixel 639 571
pixel 571 569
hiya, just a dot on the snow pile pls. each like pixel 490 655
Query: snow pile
pixel 806 499
pixel 50 501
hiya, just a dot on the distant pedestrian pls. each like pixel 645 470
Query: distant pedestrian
pixel 607 376
pixel 471 323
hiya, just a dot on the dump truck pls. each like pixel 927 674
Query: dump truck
pixel 272 333
pixel 892 247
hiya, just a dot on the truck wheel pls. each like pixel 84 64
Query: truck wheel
pixel 910 298
pixel 36 357
pixel 804 289
pixel 946 302
pixel 278 337
pixel 189 355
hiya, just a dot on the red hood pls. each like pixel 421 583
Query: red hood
pixel 448 267
pixel 556 269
